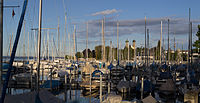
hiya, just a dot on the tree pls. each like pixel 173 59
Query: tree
pixel 93 54
pixel 125 53
pixel 107 52
pixel 158 50
pixel 98 51
pixel 197 42
pixel 79 55
pixel 89 53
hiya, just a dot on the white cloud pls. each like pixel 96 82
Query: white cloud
pixel 105 12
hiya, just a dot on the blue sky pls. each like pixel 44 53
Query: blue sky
pixel 129 13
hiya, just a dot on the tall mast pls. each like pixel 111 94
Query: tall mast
pixel 189 40
pixel 174 48
pixel 168 58
pixel 163 51
pixel 87 42
pixel 28 47
pixel 191 43
pixel 103 41
pixel 1 37
pixel 147 47
pixel 188 66
pixel 65 35
pixel 44 48
pixel 120 54
pixel 110 52
pixel 118 43
pixel 128 52
pixel 58 38
pixel 52 50
pixel 182 51
pixel 74 43
pixel 39 46
pixel 69 46
pixel 48 43
pixel 145 41
pixel 160 40
pixel 24 50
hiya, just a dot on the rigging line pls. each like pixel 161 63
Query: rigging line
pixel 9 44
pixel 31 25
pixel 69 21
pixel 33 13
pixel 55 47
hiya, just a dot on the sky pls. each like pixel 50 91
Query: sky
pixel 129 14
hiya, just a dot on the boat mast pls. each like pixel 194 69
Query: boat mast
pixel 1 37
pixel 128 52
pixel 147 47
pixel 103 41
pixel 191 42
pixel 74 43
pixel 28 46
pixel 24 50
pixel 69 47
pixel 52 51
pixel 48 43
pixel 145 41
pixel 87 42
pixel 160 40
pixel 174 48
pixel 163 51
pixel 110 52
pixel 117 43
pixel 58 38
pixel 65 35
pixel 168 58
pixel 188 49
pixel 39 47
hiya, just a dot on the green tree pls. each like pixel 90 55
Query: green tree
pixel 85 54
pixel 93 54
pixel 98 52
pixel 197 42
pixel 79 55
pixel 107 53
pixel 125 53
pixel 158 50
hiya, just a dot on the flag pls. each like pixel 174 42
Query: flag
pixel 13 13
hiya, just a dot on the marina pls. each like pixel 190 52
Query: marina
pixel 63 63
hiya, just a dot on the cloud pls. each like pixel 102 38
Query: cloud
pixel 178 26
pixel 105 12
